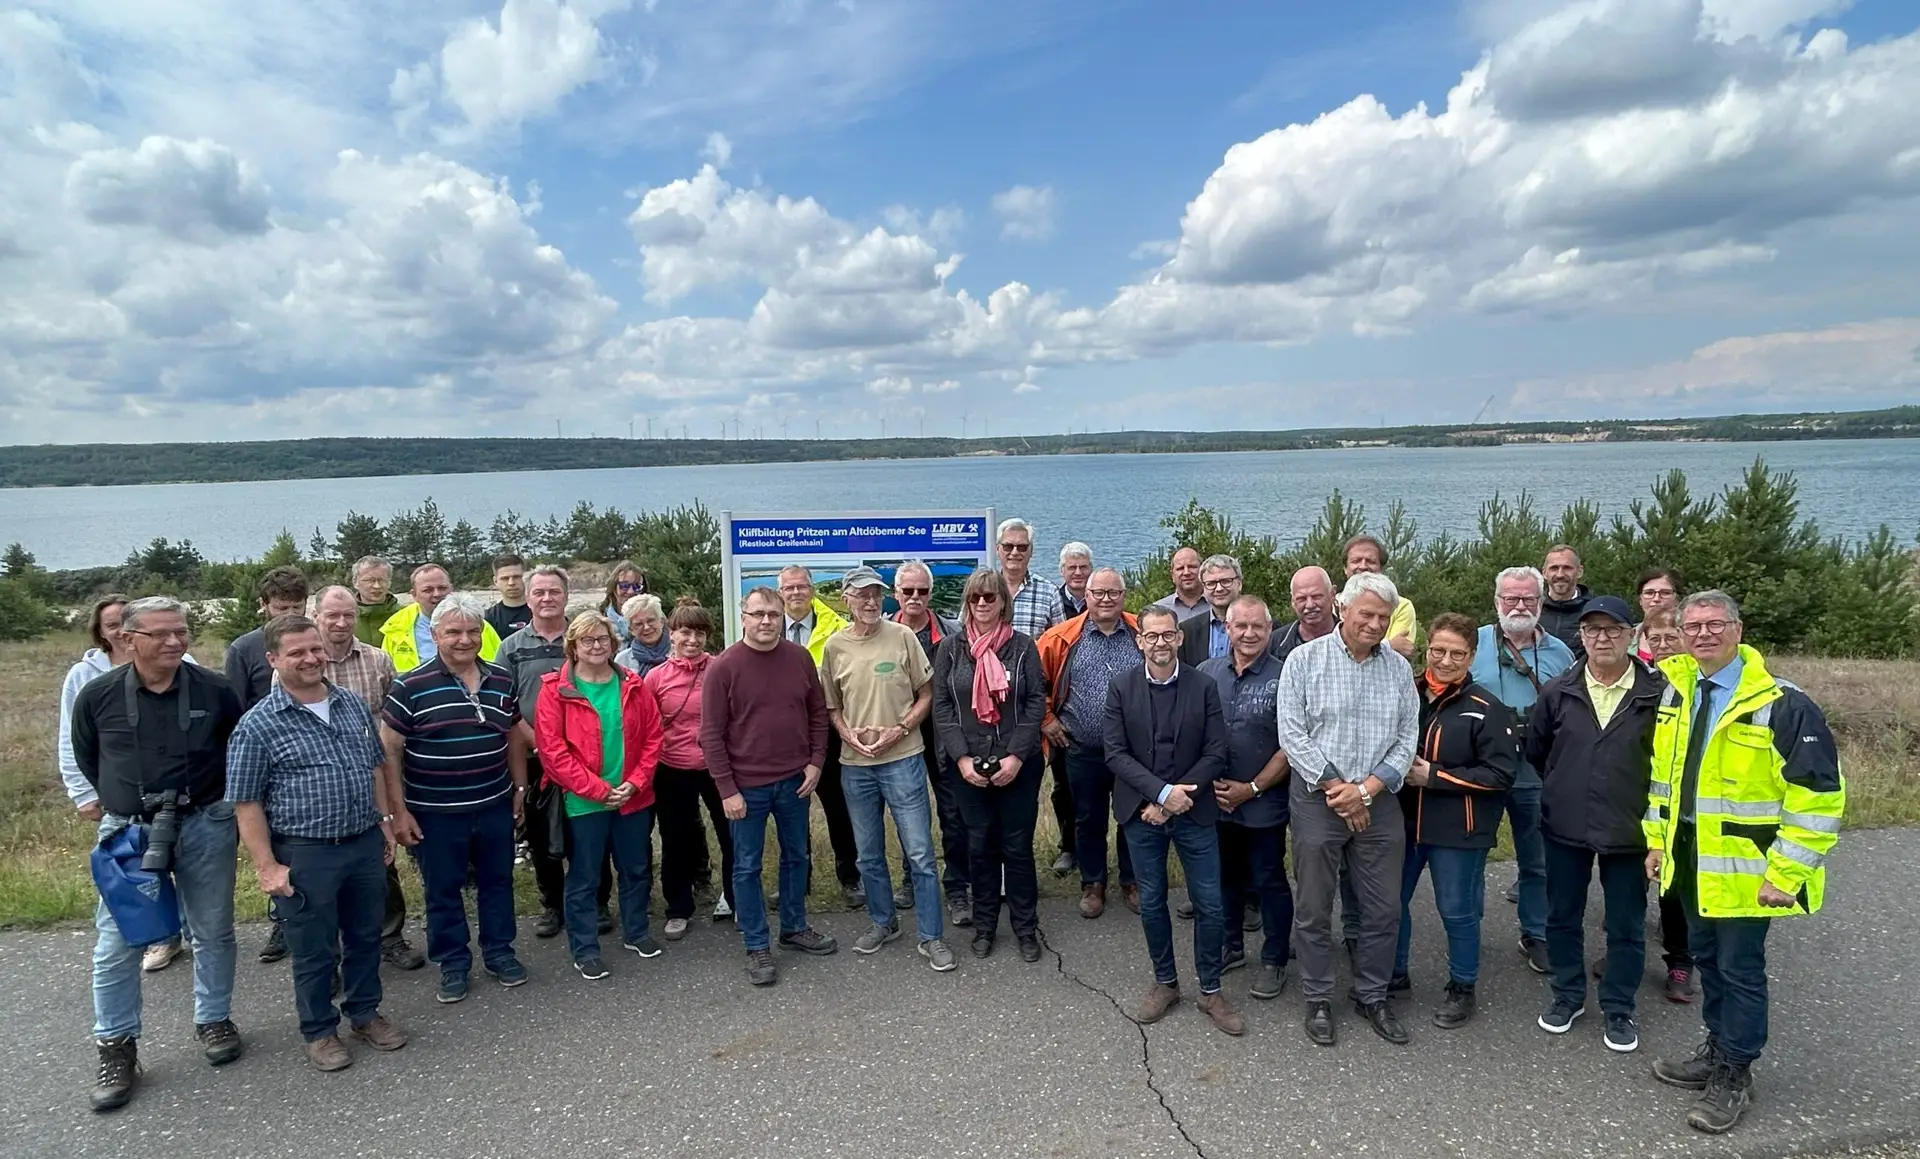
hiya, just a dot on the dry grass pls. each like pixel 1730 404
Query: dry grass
pixel 1874 707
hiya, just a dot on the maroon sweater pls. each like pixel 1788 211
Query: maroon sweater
pixel 763 716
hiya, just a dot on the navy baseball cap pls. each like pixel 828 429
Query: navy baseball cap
pixel 1612 607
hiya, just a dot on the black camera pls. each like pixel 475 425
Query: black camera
pixel 162 832
pixel 986 766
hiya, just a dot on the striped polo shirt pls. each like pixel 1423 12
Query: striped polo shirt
pixel 456 742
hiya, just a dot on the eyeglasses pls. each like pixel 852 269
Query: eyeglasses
pixel 632 585
pixel 1016 548
pixel 1445 654
pixel 763 615
pixel 1602 631
pixel 1105 594
pixel 595 642
pixel 1517 601
pixel 163 634
pixel 1161 637
pixel 1669 592
pixel 1220 583
pixel 909 593
pixel 984 598
pixel 1707 627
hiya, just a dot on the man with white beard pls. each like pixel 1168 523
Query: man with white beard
pixel 1514 659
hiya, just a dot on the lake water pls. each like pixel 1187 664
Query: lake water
pixel 1114 502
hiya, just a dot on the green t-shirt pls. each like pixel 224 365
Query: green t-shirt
pixel 605 698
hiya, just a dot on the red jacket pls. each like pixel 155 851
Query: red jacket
pixel 566 732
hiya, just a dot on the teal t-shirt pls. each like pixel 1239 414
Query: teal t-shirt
pixel 605 698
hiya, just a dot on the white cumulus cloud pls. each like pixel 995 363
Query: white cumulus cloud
pixel 1026 212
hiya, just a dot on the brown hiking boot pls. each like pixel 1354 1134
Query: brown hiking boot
pixel 1131 895
pixel 1093 900
pixel 329 1054
pixel 1158 1001
pixel 380 1034
pixel 1216 1007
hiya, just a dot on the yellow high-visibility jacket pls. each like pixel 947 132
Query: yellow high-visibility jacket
pixel 396 639
pixel 1769 797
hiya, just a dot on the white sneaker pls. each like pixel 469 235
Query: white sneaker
pixel 160 955
pixel 721 909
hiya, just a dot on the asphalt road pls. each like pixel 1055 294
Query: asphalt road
pixel 879 1056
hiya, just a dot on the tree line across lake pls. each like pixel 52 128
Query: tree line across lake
pixel 88 464
pixel 1800 591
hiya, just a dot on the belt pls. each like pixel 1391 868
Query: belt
pixel 289 839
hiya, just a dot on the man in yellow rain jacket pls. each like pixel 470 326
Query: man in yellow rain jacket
pixel 407 636
pixel 1744 806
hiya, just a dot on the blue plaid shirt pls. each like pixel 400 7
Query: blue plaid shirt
pixel 313 777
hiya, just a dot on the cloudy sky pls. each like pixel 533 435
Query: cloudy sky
pixel 274 218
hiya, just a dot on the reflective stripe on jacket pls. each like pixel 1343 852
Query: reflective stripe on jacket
pixel 1769 796
pixel 396 639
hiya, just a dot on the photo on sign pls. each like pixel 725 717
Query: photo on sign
pixel 949 578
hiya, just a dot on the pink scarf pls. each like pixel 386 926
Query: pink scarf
pixel 989 675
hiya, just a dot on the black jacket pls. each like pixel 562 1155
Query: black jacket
pixel 1195 638
pixel 1199 741
pixel 1470 740
pixel 961 733
pixel 1561 619
pixel 167 742
pixel 1596 778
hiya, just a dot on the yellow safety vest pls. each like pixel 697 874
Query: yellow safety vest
pixel 396 639
pixel 1758 815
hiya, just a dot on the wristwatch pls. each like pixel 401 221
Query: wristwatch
pixel 386 818
pixel 1366 798
pixel 1255 786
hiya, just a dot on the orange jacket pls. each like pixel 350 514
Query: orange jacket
pixel 1056 646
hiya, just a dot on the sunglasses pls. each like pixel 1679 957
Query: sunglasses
pixel 983 598
pixel 1016 548
pixel 633 586
pixel 906 593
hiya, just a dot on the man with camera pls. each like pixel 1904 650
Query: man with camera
pixel 309 787
pixel 151 737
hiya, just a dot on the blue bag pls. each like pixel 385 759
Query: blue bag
pixel 143 904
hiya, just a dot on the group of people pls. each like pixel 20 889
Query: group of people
pixel 351 724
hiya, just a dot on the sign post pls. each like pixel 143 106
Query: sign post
pixel 754 548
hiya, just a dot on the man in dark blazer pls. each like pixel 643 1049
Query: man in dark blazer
pixel 1204 636
pixel 1166 741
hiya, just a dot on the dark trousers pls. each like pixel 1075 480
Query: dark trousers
pixel 454 844
pixel 1623 892
pixel 678 797
pixel 943 777
pixel 1673 933
pixel 1529 854
pixel 1199 849
pixel 833 803
pixel 1374 860
pixel 999 831
pixel 339 893
pixel 546 831
pixel 1731 955
pixel 628 839
pixel 1253 865
pixel 1062 796
pixel 393 920
pixel 1092 785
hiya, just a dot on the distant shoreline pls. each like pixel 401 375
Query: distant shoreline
pixel 160 464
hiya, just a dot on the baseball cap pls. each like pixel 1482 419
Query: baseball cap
pixel 861 577
pixel 1612 607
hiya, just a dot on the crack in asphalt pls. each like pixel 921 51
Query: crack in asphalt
pixel 1146 1044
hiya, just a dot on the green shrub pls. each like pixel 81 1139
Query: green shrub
pixel 23 614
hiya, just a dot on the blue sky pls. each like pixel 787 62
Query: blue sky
pixel 228 219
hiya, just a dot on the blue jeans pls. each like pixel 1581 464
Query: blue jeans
pixel 790 811
pixel 1529 852
pixel 1199 849
pixel 901 787
pixel 1731 955
pixel 203 864
pixel 591 835
pixel 1092 784
pixel 339 899
pixel 1459 893
pixel 452 843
